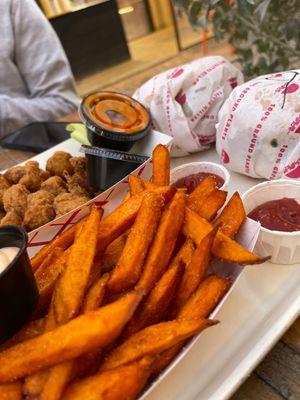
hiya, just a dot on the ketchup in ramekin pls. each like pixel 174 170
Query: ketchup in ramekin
pixel 190 182
pixel 275 205
pixel 278 215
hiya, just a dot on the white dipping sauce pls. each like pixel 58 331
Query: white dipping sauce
pixel 7 254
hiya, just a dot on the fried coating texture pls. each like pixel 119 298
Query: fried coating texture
pixel 78 163
pixel 14 174
pixel 44 175
pixel 76 183
pixel 66 202
pixel 63 174
pixel 80 175
pixel 39 198
pixel 33 177
pixel 4 185
pixel 58 163
pixel 54 185
pixel 33 166
pixel 40 209
pixel 32 181
pixel 15 199
pixel 32 220
pixel 11 218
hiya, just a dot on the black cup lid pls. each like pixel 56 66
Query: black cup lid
pixel 113 154
pixel 115 116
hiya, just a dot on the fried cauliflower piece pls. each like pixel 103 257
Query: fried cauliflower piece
pixel 76 183
pixel 66 202
pixel 14 174
pixel 40 210
pixel 79 164
pixel 34 219
pixel 4 185
pixel 11 218
pixel 34 176
pixel 32 181
pixel 44 175
pixel 40 198
pixel 58 163
pixel 15 199
pixel 54 185
pixel 33 166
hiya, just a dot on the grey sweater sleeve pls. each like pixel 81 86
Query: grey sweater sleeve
pixel 43 68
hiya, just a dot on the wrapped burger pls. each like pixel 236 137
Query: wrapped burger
pixel 184 102
pixel 258 132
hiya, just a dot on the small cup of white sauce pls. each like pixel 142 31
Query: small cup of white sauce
pixel 7 255
pixel 18 289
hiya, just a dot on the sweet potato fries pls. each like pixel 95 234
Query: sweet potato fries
pixel 120 296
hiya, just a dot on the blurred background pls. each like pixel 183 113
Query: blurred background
pixel 108 41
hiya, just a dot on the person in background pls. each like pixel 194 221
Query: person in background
pixel 36 82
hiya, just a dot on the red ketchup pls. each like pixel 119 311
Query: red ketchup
pixel 278 215
pixel 190 182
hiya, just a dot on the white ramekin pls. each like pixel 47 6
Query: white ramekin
pixel 283 247
pixel 201 166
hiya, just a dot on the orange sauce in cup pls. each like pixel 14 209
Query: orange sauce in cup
pixel 115 112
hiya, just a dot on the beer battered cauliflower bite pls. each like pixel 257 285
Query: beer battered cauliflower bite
pixel 32 197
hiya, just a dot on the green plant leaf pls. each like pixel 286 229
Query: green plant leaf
pixel 184 4
pixel 194 12
pixel 265 33
pixel 262 9
pixel 290 27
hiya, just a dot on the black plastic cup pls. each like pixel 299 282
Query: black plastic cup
pixel 113 137
pixel 107 167
pixel 18 290
pixel 116 142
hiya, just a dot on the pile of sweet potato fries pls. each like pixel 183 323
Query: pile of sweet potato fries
pixel 120 296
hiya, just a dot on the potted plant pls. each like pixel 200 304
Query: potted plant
pixel 265 34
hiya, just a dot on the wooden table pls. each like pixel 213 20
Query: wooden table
pixel 278 375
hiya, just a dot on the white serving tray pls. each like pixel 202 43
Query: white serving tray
pixel 262 305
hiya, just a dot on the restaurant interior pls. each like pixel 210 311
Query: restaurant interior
pixel 121 46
